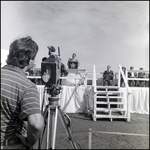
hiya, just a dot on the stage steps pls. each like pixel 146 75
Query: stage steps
pixel 108 103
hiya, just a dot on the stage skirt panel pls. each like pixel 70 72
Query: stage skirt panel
pixel 76 98
pixel 140 100
pixel 43 98
pixel 72 99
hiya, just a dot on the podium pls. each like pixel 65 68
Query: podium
pixel 73 64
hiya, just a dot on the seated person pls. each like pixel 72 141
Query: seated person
pixel 64 73
pixel 108 76
pixel 73 62
pixel 122 84
pixel 141 75
pixel 132 83
pixel 63 70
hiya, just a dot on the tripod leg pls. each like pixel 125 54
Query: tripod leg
pixel 53 125
pixel 68 132
pixel 48 124
pixel 45 115
pixel 50 114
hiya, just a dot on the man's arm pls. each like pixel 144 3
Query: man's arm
pixel 105 74
pixel 69 60
pixel 35 125
pixel 35 128
pixel 112 73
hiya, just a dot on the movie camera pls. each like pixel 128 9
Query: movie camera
pixel 51 70
pixel 51 67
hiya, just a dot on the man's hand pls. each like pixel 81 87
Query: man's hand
pixel 23 139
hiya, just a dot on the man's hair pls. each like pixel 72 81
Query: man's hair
pixel 74 54
pixel 131 67
pixel 124 68
pixel 21 51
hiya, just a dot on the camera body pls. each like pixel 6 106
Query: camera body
pixel 51 68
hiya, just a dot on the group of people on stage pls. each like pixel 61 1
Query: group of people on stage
pixel 108 77
pixel 140 74
pixel 108 74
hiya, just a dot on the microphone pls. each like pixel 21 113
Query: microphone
pixel 58 51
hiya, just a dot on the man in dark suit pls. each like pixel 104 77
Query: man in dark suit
pixel 108 76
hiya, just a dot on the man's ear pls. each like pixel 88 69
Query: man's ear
pixel 31 64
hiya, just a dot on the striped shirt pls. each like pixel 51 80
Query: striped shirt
pixel 19 98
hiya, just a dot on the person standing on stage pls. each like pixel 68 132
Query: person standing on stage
pixel 131 74
pixel 108 76
pixel 73 65
pixel 21 120
pixel 141 75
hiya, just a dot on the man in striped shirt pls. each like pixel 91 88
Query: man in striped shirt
pixel 21 120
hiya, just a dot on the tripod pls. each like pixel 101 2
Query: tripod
pixel 50 115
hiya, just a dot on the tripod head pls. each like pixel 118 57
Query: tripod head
pixel 53 90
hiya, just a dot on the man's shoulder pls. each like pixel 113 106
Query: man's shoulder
pixel 28 84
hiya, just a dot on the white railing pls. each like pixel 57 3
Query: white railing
pixel 34 77
pixel 99 77
pixel 82 78
pixel 94 89
pixel 145 78
pixel 120 72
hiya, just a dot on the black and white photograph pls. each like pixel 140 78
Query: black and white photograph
pixel 74 75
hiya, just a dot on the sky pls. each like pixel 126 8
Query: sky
pixel 101 33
